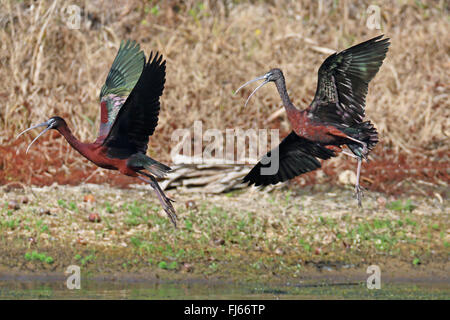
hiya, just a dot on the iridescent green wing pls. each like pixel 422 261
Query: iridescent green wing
pixel 138 117
pixel 343 81
pixel 122 77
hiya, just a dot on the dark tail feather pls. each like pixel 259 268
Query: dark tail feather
pixel 156 168
pixel 365 132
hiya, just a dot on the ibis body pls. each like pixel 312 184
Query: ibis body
pixel 129 110
pixel 335 117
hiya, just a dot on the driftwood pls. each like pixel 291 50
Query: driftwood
pixel 206 177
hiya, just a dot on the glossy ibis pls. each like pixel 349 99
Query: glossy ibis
pixel 333 119
pixel 129 109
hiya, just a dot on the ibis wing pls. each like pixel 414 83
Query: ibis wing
pixel 138 117
pixel 343 81
pixel 296 155
pixel 122 77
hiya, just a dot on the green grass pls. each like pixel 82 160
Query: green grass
pixel 109 207
pixel 73 206
pixel 399 205
pixel 36 256
pixel 62 203
pixel 11 224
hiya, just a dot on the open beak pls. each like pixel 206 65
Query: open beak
pixel 264 77
pixel 45 124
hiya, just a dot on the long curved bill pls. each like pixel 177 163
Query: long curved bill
pixel 264 77
pixel 45 124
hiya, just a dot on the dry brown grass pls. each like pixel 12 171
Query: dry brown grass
pixel 211 48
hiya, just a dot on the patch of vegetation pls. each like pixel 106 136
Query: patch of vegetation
pixel 11 224
pixel 73 206
pixel 84 260
pixel 399 205
pixel 36 256
pixel 168 266
pixel 62 203
pixel 41 227
pixel 87 259
pixel 108 207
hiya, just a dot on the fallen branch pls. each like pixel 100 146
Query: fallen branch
pixel 207 178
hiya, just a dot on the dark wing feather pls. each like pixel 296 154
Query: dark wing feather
pixel 296 156
pixel 343 81
pixel 138 117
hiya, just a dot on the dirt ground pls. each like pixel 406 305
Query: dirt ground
pixel 242 235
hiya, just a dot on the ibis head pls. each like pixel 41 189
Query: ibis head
pixel 52 123
pixel 273 75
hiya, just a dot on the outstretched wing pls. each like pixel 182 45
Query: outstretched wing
pixel 343 81
pixel 138 117
pixel 296 155
pixel 122 77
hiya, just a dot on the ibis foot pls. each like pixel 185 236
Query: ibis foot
pixel 165 201
pixel 168 208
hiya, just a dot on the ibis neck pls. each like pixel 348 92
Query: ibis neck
pixel 81 147
pixel 281 86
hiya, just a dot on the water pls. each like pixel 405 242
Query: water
pixel 24 288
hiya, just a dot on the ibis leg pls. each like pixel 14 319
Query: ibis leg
pixel 165 201
pixel 358 189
